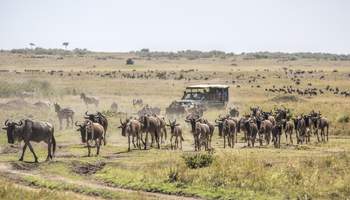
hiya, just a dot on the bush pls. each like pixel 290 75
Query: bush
pixel 129 61
pixel 198 160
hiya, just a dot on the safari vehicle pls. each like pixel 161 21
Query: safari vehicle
pixel 211 95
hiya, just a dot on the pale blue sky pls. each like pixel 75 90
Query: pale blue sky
pixel 164 25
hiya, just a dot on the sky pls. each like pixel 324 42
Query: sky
pixel 163 25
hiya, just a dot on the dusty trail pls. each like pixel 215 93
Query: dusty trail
pixel 15 175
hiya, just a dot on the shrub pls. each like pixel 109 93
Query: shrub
pixel 129 61
pixel 198 160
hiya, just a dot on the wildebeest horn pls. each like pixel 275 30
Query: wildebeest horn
pixel 86 113
pixel 19 124
pixel 6 122
pixel 76 124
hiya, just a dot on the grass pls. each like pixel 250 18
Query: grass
pixel 9 191
pixel 317 171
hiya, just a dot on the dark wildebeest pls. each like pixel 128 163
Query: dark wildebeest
pixel 101 119
pixel 288 128
pixel 276 135
pixel 300 129
pixel 265 129
pixel 199 130
pixel 89 100
pixel 176 131
pixel 64 113
pixel 162 123
pixel 229 131
pixel 90 130
pixel 151 125
pixel 132 127
pixel 321 123
pixel 211 130
pixel 29 130
pixel 251 129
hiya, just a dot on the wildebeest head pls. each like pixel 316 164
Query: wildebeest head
pixel 123 126
pixel 220 124
pixel 92 117
pixel 10 129
pixel 82 129
pixel 192 119
pixel 172 125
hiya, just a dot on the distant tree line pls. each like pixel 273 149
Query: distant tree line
pixel 195 54
pixel 43 51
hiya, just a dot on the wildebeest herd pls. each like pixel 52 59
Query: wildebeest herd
pixel 259 126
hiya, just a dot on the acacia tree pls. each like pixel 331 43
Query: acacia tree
pixel 32 45
pixel 65 44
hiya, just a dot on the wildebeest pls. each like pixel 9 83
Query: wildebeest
pixel 276 135
pixel 176 131
pixel 163 131
pixel 234 112
pixel 101 119
pixel 229 131
pixel 288 128
pixel 30 130
pixel 89 99
pixel 251 128
pixel 132 128
pixel 265 130
pixel 91 131
pixel 151 125
pixel 200 132
pixel 64 113
pixel 321 123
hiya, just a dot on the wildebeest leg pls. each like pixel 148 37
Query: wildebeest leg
pixel 286 134
pixel 129 142
pixel 157 134
pixel 224 140
pixel 23 150
pixel 67 122
pixel 236 136
pixel 98 145
pixel 72 119
pixel 327 132
pixel 316 133
pixel 133 141
pixel 279 140
pixel 146 140
pixel 49 156
pixel 32 150
pixel 180 142
pixel 171 142
pixel 88 146
pixel 260 138
pixel 290 136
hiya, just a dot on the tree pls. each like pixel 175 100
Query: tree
pixel 32 45
pixel 344 119
pixel 65 44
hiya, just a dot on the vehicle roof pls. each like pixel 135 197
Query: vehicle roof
pixel 207 86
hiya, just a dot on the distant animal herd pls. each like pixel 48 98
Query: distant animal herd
pixel 260 126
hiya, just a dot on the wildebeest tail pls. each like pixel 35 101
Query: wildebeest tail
pixel 182 138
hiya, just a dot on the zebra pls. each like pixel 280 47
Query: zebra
pixel 64 113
